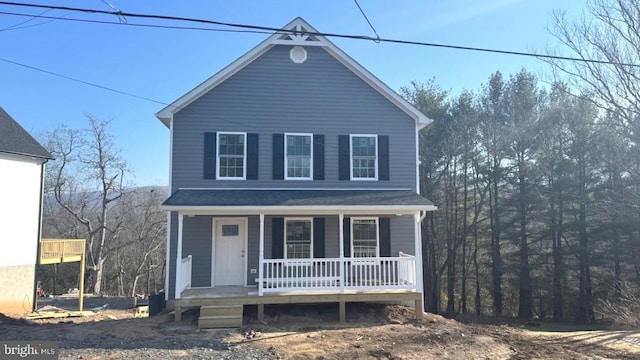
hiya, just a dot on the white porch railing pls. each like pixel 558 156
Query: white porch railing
pixel 407 270
pixel 185 273
pixel 351 274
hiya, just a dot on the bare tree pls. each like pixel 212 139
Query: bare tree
pixel 610 32
pixel 86 180
pixel 144 236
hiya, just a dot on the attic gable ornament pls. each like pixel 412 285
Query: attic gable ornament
pixel 298 54
pixel 298 35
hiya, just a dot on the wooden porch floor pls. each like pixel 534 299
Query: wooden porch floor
pixel 219 292
pixel 248 295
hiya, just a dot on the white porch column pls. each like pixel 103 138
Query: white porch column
pixel 178 281
pixel 342 264
pixel 261 258
pixel 418 255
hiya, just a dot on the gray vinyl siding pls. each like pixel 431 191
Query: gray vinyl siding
pixel 403 236
pixel 332 237
pixel 197 242
pixel 274 95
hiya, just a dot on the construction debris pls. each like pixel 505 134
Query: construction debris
pixel 100 308
pixel 141 311
pixel 50 312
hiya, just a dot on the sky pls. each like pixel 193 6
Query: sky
pixel 164 64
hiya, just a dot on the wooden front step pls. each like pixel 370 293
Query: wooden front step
pixel 220 316
pixel 216 310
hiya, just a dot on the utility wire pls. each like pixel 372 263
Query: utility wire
pixel 82 81
pixel 158 26
pixel 39 16
pixel 314 33
pixel 367 18
pixel 31 18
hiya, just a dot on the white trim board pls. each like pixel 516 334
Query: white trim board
pixel 299 210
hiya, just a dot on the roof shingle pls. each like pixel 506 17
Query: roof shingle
pixel 16 140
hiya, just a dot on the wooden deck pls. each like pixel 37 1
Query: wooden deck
pixel 248 295
pixel 55 251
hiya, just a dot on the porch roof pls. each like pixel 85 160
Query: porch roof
pixel 297 200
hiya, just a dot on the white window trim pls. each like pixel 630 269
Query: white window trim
pixel 244 156
pixel 286 160
pixel 377 219
pixel 287 219
pixel 351 136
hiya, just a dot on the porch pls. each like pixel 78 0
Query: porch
pixel 292 246
pixel 299 281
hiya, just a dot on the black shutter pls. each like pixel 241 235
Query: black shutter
pixel 383 157
pixel 318 237
pixel 346 236
pixel 344 155
pixel 278 156
pixel 385 236
pixel 277 238
pixel 252 156
pixel 209 155
pixel 318 157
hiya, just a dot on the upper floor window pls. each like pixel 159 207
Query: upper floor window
pixel 364 159
pixel 232 151
pixel 364 237
pixel 298 239
pixel 299 156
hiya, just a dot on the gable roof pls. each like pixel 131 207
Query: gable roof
pixel 298 36
pixel 14 139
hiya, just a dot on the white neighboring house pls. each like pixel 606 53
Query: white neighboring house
pixel 22 166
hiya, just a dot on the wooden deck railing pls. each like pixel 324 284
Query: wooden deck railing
pixel 352 274
pixel 54 251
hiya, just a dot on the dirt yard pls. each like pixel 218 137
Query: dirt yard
pixel 312 332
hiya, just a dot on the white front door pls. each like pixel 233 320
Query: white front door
pixel 229 252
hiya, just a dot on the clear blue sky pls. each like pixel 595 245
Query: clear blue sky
pixel 164 64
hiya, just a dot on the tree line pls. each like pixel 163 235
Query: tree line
pixel 538 186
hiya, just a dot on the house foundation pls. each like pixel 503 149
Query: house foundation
pixel 17 289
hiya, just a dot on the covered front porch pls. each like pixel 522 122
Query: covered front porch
pixel 295 246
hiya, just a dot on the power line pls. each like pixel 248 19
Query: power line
pixel 367 18
pixel 82 81
pixel 158 26
pixel 314 33
pixel 31 18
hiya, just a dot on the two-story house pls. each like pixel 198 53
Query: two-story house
pixel 294 178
